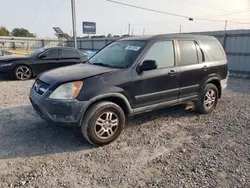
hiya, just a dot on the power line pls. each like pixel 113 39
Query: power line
pixel 222 13
pixel 148 9
pixel 38 7
pixel 172 14
pixel 200 5
pixel 236 12
pixel 59 5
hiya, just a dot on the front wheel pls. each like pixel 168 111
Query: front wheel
pixel 22 72
pixel 103 123
pixel 208 99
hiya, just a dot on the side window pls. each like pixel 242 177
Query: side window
pixel 213 49
pixel 69 54
pixel 162 53
pixel 56 53
pixel 188 53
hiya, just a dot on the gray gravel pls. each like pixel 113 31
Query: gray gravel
pixel 167 148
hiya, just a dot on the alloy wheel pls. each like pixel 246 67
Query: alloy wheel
pixel 210 98
pixel 106 125
pixel 23 73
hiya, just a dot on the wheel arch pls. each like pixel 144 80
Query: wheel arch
pixel 215 81
pixel 117 98
pixel 24 64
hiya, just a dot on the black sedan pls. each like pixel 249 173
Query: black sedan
pixel 25 67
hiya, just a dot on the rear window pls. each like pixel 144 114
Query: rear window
pixel 213 49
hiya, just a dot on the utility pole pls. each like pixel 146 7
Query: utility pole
pixel 74 21
pixel 132 32
pixel 129 29
pixel 226 25
pixel 180 28
pixel 144 31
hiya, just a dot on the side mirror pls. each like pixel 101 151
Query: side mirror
pixel 84 59
pixel 147 65
pixel 42 56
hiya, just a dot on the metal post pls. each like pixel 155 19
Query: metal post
pixel 180 28
pixel 129 29
pixel 144 31
pixel 226 25
pixel 74 22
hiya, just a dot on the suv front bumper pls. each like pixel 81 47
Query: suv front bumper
pixel 61 112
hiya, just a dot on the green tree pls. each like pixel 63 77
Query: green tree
pixel 109 35
pixel 4 31
pixel 98 36
pixel 21 32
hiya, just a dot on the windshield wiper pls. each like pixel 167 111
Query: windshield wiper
pixel 102 64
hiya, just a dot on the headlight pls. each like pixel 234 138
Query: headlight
pixel 5 65
pixel 67 91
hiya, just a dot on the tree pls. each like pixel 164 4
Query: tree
pixel 109 35
pixel 98 36
pixel 4 31
pixel 21 32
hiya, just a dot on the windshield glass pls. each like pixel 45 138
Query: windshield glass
pixel 119 54
pixel 36 53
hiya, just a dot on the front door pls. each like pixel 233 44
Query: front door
pixel 162 84
pixel 50 60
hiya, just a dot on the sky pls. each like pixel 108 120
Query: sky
pixel 40 16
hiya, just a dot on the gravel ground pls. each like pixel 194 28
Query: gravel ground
pixel 167 148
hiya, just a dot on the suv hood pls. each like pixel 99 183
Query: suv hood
pixel 8 58
pixel 72 73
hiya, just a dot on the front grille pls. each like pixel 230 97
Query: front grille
pixel 41 87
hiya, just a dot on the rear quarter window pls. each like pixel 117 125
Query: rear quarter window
pixel 214 49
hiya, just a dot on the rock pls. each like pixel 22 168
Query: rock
pixel 23 182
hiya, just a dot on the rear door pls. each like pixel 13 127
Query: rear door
pixel 193 68
pixel 69 57
pixel 162 84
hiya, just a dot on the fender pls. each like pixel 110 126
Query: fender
pixel 25 64
pixel 208 79
pixel 212 78
pixel 107 95
pixel 103 96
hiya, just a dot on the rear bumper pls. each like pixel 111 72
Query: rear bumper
pixel 224 83
pixel 61 112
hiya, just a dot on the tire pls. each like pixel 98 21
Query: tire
pixel 22 72
pixel 208 99
pixel 98 122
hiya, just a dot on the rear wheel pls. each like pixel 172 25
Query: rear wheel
pixel 103 123
pixel 208 99
pixel 22 72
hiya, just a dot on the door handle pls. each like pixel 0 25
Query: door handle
pixel 172 73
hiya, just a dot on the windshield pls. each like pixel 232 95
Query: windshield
pixel 36 53
pixel 119 54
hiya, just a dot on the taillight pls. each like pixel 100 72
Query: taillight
pixel 226 56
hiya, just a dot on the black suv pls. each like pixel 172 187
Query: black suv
pixel 131 76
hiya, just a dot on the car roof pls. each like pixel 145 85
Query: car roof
pixel 60 47
pixel 153 37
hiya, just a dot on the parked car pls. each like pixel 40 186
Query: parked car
pixel 25 67
pixel 132 76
